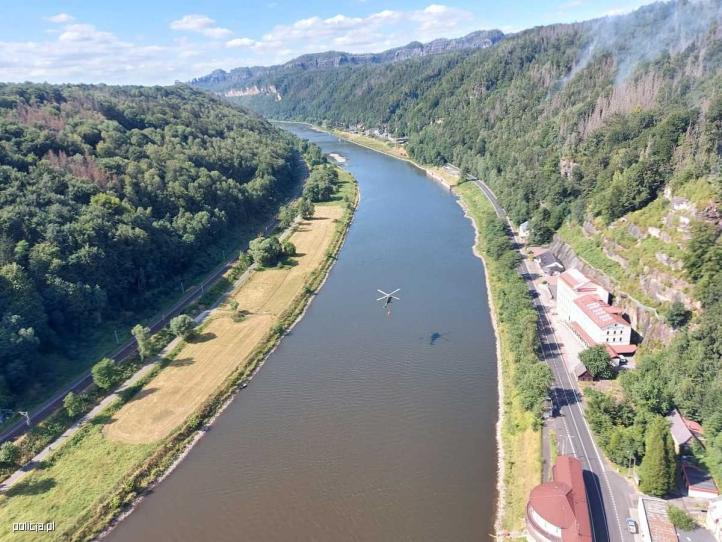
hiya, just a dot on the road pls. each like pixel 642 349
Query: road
pixel 122 353
pixel 610 496
pixel 127 349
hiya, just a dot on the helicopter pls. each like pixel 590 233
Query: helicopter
pixel 388 298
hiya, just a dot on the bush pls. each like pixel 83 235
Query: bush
pixel 74 404
pixel 182 326
pixel 677 315
pixel 9 454
pixel 266 252
pixel 105 373
pixel 680 519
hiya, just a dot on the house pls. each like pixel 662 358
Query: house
pixel 654 523
pixel 524 230
pixel 700 484
pixel 557 510
pixel 585 303
pixel 684 431
pixel 714 519
pixel 582 374
pixel 549 263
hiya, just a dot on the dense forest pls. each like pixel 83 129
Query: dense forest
pixel 107 193
pixel 623 101
pixel 570 123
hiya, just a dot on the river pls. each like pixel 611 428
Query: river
pixel 361 425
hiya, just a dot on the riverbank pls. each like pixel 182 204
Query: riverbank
pixel 520 450
pixel 101 471
pixel 519 453
pixel 395 151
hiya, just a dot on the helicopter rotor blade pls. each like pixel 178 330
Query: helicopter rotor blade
pixel 396 290
pixel 381 292
pixel 396 298
pixel 381 298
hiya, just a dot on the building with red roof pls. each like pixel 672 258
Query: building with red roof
pixel 583 304
pixel 557 511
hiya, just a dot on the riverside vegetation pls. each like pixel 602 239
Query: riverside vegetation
pixel 572 124
pixel 111 198
pixel 127 466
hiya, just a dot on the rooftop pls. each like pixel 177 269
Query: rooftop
pixel 602 314
pixel 563 501
pixel 660 528
pixel 680 432
pixel 698 478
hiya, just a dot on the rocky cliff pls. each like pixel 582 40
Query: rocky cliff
pixel 646 321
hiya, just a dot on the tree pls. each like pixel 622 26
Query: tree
pixel 533 385
pixel 265 251
pixel 74 404
pixel 306 208
pixel 104 373
pixel 596 360
pixel 677 315
pixel 142 338
pixel 9 454
pixel 182 326
pixel 659 465
pixel 288 249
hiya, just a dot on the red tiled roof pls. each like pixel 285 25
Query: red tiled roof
pixel 599 311
pixel 563 501
pixel 583 335
pixel 623 349
pixel 696 429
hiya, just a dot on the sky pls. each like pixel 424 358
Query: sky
pixel 162 41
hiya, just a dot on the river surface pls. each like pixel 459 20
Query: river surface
pixel 360 426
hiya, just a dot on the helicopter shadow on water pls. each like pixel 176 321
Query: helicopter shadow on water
pixel 436 337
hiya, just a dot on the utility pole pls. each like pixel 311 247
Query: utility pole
pixel 117 340
pixel 183 290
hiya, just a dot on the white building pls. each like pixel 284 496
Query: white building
pixel 714 519
pixel 524 230
pixel 584 304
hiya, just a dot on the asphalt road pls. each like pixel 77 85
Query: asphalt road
pixel 610 496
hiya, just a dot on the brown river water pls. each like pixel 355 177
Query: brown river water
pixel 360 426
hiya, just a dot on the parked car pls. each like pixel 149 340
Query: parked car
pixel 632 526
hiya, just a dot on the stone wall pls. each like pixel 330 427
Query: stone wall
pixel 646 321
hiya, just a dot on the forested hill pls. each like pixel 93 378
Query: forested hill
pixel 615 97
pixel 580 126
pixel 108 194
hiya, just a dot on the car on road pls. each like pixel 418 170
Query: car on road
pixel 632 526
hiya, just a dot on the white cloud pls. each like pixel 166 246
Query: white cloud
pixel 74 51
pixel 240 42
pixel 61 18
pixel 201 24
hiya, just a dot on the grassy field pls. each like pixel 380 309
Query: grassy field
pixel 108 462
pixel 224 344
pixel 521 440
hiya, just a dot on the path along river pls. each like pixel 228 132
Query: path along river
pixel 360 426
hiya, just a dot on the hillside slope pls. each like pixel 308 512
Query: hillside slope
pixel 610 130
pixel 109 196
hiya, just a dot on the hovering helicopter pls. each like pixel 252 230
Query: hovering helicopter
pixel 388 298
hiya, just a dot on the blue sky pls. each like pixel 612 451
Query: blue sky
pixel 159 41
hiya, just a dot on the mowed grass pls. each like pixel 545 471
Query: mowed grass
pixel 373 143
pixel 224 344
pixel 103 456
pixel 78 476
